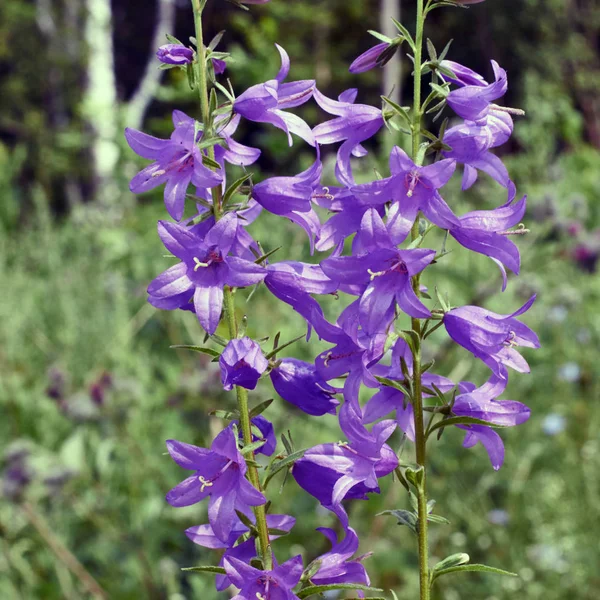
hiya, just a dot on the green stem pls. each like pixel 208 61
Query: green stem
pixel 420 439
pixel 228 298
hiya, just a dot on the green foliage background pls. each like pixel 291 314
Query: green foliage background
pixel 73 272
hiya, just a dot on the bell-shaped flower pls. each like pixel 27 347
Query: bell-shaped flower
pixel 481 403
pixel 219 474
pixel 491 337
pixel 294 282
pixel 177 162
pixel 487 231
pixel 245 551
pixel 348 211
pixel 242 363
pixel 382 275
pixel 347 470
pixel 255 584
pixel 473 98
pixel 266 102
pixel 283 195
pixel 354 124
pixel 412 188
pixel 204 270
pixel 337 565
pixel 298 382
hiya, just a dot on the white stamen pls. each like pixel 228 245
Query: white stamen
pixel 204 483
pixel 199 264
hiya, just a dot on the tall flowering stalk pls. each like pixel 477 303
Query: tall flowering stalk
pixel 389 220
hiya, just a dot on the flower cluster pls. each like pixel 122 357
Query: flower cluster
pixel 388 221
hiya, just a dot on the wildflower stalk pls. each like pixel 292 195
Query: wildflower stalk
pixel 420 439
pixel 228 296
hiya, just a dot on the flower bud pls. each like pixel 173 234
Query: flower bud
pixel 242 363
pixel 175 54
pixel 299 383
pixel 373 57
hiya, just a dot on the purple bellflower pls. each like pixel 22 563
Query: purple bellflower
pixel 486 125
pixel 177 163
pixel 412 189
pixel 266 102
pixel 266 585
pixel 481 403
pixel 473 98
pixel 337 566
pixel 262 429
pixel 204 269
pixel 175 54
pixel 242 363
pixel 282 195
pixel 348 470
pixel 370 59
pixel 348 211
pixel 294 282
pixel 382 275
pixel 485 231
pixel 491 337
pixel 245 551
pixel 219 474
pixel 298 383
pixel 354 124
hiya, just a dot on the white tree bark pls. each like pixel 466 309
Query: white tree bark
pixel 138 105
pixel 392 72
pixel 101 102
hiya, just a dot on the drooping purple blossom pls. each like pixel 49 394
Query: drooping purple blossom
pixel 337 566
pixel 219 474
pixel 491 337
pixel 276 584
pixel 412 188
pixel 298 382
pixel 480 403
pixel 177 163
pixel 175 54
pixel 354 124
pixel 242 363
pixel 381 275
pixel 245 551
pixel 266 102
pixel 204 269
pixel 284 195
pixel 485 231
pixel 347 470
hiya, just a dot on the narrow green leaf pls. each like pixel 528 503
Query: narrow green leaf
pixel 469 568
pixel 225 414
pixel 204 350
pixel 431 50
pixel 260 408
pixel 380 36
pixel 288 461
pixel 253 446
pixel 234 187
pixel 441 90
pixel 445 50
pixel 209 162
pixel 215 41
pixel 404 32
pixel 405 517
pixel 394 384
pixel 438 519
pixel 264 257
pixel 279 348
pixel 216 570
pixel 463 421
pixel 173 39
pixel 319 589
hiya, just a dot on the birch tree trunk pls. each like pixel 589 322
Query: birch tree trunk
pixel 392 72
